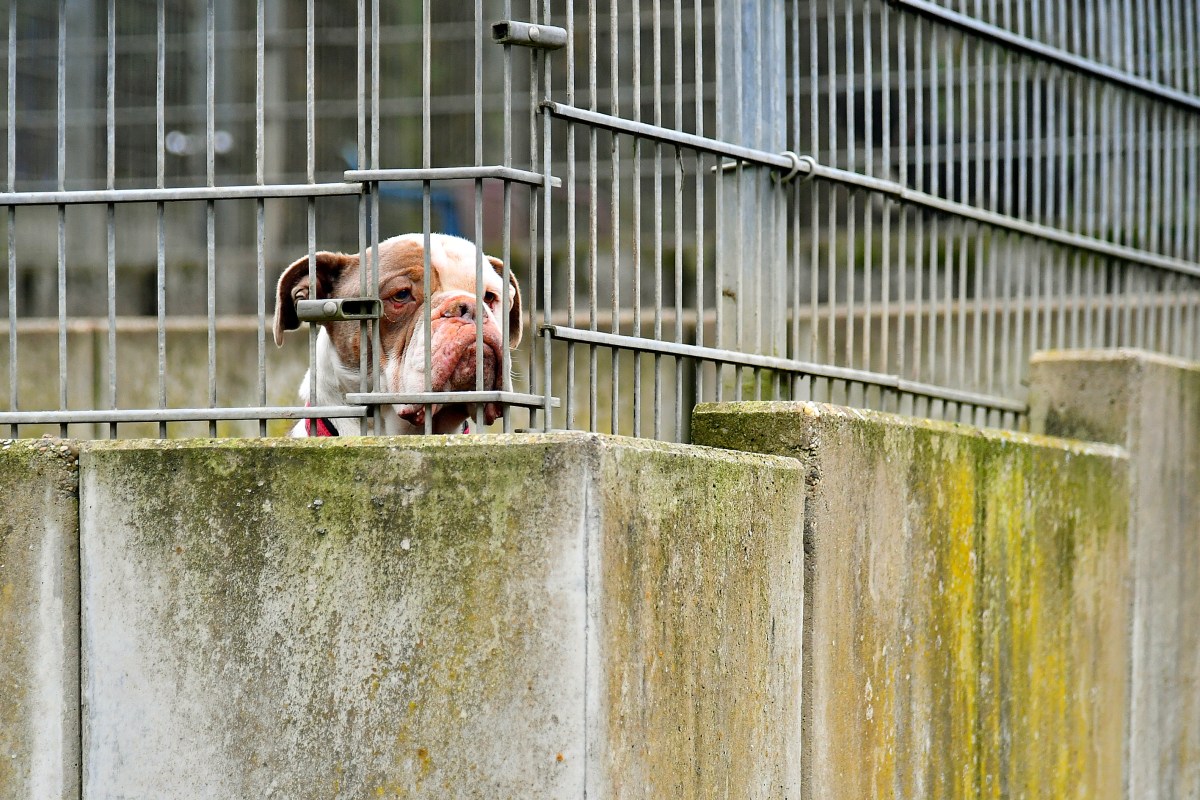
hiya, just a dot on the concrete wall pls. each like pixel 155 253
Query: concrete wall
pixel 966 603
pixel 898 609
pixel 516 616
pixel 39 620
pixel 1151 405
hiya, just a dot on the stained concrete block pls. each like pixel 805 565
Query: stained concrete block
pixel 966 603
pixel 39 608
pixel 1151 405
pixel 512 616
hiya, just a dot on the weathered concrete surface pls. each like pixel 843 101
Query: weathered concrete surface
pixel 1150 404
pixel 39 608
pixel 522 616
pixel 965 596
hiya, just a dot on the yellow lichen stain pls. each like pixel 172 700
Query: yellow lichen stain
pixel 559 758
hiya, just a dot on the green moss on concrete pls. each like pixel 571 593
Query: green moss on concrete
pixel 966 589
pixel 700 619
pixel 412 615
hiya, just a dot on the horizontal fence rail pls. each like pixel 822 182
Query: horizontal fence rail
pixel 881 203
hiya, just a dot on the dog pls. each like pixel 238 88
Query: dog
pixel 453 315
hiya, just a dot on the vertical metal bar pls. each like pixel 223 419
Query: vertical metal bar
pixel 569 400
pixel 593 222
pixel 904 138
pixel 62 210
pixel 615 156
pixel 210 114
pixel 832 193
pixel 935 162
pixel 260 207
pixel 677 25
pixel 637 215
pixel 889 209
pixel 797 146
pixel 160 280
pixel 534 207
pixel 309 164
pixel 365 220
pixel 869 168
pixel 480 308
pixel 506 233
pixel 426 241
pixel 376 358
pixel 814 142
pixel 110 211
pixel 919 182
pixel 547 365
pixel 656 29
pixel 851 196
pixel 11 182
pixel 701 237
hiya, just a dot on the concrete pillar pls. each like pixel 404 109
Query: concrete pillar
pixel 965 603
pixel 39 618
pixel 527 616
pixel 1150 405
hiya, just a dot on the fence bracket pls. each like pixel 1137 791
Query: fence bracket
pixel 528 34
pixel 332 309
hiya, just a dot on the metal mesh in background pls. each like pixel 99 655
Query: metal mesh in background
pixel 967 182
pixel 983 183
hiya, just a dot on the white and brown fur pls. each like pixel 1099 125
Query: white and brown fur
pixel 453 263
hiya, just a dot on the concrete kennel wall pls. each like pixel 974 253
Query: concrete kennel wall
pixel 982 613
pixel 39 620
pixel 518 616
pixel 1151 405
pixel 966 603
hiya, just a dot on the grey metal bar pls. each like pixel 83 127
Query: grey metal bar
pixel 260 210
pixel 161 195
pixel 164 415
pixel 11 180
pixel 1022 44
pixel 451 174
pixel 210 211
pixel 446 398
pixel 160 276
pixel 61 111
pixel 110 221
pixel 738 358
pixel 657 133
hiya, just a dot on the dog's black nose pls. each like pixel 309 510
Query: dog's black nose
pixel 463 309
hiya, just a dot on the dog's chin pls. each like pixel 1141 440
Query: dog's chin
pixel 447 417
pixel 455 370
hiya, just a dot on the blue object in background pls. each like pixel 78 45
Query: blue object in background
pixel 441 201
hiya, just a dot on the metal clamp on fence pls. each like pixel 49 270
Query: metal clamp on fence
pixel 338 308
pixel 803 166
pixel 527 34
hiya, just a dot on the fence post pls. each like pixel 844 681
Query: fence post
pixel 752 111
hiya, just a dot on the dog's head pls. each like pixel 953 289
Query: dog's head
pixel 453 316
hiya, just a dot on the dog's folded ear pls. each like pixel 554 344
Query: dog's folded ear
pixel 294 285
pixel 514 313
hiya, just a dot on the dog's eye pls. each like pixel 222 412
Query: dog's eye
pixel 490 298
pixel 402 296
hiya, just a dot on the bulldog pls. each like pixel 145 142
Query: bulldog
pixel 453 315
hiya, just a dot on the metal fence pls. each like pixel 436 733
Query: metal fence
pixel 882 204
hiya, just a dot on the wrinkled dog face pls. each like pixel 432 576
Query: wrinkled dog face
pixel 402 331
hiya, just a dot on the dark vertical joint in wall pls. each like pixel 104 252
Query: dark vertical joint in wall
pixel 811 481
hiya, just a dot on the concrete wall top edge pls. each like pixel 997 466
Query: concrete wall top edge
pixel 1126 354
pixel 436 443
pixel 841 414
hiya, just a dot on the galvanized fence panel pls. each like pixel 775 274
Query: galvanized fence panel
pixel 883 204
